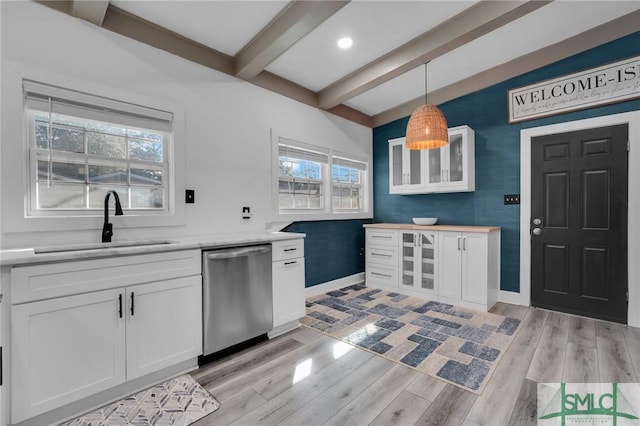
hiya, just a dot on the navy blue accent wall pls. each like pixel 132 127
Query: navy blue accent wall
pixel 497 155
pixel 332 249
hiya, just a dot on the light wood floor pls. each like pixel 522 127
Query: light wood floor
pixel 307 378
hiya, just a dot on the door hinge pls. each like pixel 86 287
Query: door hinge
pixel 627 295
pixel 628 145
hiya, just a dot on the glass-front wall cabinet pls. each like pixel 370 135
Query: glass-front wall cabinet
pixel 447 169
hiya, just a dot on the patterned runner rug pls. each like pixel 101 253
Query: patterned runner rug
pixel 458 345
pixel 177 402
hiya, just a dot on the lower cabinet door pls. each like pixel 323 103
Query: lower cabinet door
pixel 288 291
pixel 475 268
pixel 450 270
pixel 164 324
pixel 65 349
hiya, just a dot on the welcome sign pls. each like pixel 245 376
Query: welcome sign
pixel 606 84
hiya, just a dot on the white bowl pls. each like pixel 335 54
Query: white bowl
pixel 425 220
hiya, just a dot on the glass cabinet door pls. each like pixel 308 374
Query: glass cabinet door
pixel 435 165
pixel 396 160
pixel 415 167
pixel 427 261
pixel 455 158
pixel 408 250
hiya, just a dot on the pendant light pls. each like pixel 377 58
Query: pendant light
pixel 427 127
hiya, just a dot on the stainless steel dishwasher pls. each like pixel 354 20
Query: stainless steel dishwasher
pixel 237 295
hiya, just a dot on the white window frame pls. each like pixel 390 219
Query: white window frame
pixel 37 103
pixel 15 195
pixel 327 213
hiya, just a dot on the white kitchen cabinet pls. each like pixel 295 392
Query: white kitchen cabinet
pixel 452 264
pixel 64 349
pixel 406 168
pixel 447 169
pixel 288 285
pixel 164 324
pixel 469 265
pixel 418 262
pixel 382 257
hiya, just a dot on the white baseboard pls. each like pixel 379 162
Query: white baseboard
pixel 510 297
pixel 335 284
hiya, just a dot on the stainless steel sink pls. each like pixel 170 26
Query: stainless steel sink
pixel 98 246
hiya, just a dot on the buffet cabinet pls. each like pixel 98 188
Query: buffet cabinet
pixel 459 265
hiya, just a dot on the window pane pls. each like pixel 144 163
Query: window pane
pixel 65 139
pixel 60 195
pixel 106 145
pixel 97 194
pixel 345 174
pixel 61 171
pixel 107 128
pixel 147 198
pixel 146 177
pixel 145 134
pixel 108 174
pixel 145 150
pixel 300 168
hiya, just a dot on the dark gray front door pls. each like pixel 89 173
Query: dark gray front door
pixel 579 222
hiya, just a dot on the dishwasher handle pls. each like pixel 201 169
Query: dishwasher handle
pixel 243 252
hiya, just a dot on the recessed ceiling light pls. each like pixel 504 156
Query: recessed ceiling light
pixel 345 42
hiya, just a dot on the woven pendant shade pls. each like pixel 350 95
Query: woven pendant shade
pixel 427 128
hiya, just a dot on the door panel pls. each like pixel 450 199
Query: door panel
pixel 579 186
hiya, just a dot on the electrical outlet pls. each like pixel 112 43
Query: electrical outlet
pixel 246 212
pixel 511 199
pixel 190 196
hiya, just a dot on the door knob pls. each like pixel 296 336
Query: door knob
pixel 536 231
pixel 537 221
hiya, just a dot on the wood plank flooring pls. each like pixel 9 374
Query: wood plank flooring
pixel 307 378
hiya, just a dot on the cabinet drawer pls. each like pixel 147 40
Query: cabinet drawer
pixel 288 249
pixel 386 237
pixel 37 282
pixel 382 255
pixel 387 276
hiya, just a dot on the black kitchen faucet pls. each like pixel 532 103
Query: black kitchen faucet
pixel 107 229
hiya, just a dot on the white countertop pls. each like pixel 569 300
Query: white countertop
pixel 61 253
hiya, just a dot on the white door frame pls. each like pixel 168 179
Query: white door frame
pixel 633 120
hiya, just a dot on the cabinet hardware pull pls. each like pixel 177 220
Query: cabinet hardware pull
pixel 293 262
pixel 120 305
pixel 386 237
pixel 380 254
pixel 291 249
pixel 132 301
pixel 382 275
pixel 458 243
pixel 464 243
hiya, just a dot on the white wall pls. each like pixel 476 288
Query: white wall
pixel 228 122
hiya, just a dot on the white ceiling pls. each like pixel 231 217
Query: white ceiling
pixel 314 62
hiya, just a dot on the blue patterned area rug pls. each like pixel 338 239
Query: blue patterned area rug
pixel 177 402
pixel 458 345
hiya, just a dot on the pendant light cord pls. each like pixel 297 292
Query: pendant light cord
pixel 426 79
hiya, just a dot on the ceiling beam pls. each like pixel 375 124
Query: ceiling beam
pixel 470 24
pixel 136 28
pixel 90 10
pixel 297 20
pixel 605 33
